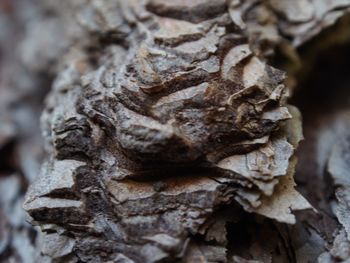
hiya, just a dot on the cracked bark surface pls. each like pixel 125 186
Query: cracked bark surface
pixel 169 134
pixel 173 120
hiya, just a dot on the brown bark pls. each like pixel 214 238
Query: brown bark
pixel 169 136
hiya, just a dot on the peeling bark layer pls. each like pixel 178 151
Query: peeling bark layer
pixel 164 123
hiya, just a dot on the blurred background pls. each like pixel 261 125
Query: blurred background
pixel 32 37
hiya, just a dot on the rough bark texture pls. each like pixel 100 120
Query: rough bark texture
pixel 169 136
pixel 163 117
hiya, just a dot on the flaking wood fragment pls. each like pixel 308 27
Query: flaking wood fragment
pixel 275 23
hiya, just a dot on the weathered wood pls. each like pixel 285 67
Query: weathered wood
pixel 169 134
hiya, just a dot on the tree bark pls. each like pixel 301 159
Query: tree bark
pixel 169 134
